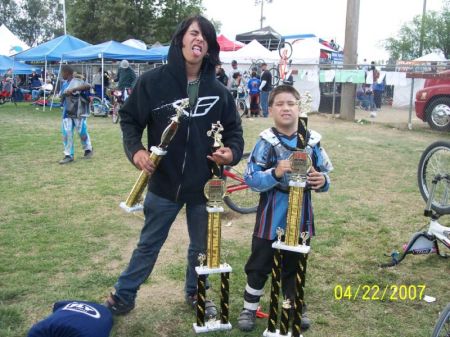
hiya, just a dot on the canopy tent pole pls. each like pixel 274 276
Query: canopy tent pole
pixel 103 79
pixel 56 83
pixel 45 80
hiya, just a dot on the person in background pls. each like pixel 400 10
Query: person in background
pixel 47 88
pixel 221 76
pixel 234 70
pixel 126 78
pixel 71 121
pixel 253 89
pixel 265 89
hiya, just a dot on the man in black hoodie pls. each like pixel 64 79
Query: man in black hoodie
pixel 182 173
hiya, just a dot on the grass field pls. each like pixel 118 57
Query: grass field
pixel 63 236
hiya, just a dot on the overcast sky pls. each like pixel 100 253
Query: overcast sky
pixel 378 19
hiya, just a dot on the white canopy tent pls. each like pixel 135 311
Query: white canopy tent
pixel 135 44
pixel 10 44
pixel 250 52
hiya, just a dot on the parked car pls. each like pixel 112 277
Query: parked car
pixel 433 102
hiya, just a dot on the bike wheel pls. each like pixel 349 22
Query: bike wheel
pixel 275 76
pixel 115 113
pixel 95 107
pixel 285 50
pixel 435 160
pixel 442 327
pixel 242 108
pixel 240 198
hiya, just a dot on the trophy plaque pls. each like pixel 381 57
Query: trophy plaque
pixel 131 204
pixel 294 240
pixel 214 191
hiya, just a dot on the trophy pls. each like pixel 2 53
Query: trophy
pixel 294 240
pixel 157 152
pixel 214 191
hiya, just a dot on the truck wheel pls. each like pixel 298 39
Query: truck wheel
pixel 438 114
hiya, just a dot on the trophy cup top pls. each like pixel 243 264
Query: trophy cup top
pixel 286 303
pixel 304 236
pixel 179 108
pixel 280 232
pixel 214 191
pixel 216 134
pixel 300 164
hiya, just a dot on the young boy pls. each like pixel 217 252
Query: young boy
pixel 268 172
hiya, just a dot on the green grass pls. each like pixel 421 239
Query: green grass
pixel 63 236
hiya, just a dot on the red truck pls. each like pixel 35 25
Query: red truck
pixel 433 101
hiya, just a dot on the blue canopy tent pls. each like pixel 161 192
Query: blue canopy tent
pixel 51 51
pixel 7 63
pixel 111 50
pixel 162 50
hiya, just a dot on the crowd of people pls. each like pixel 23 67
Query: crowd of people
pixel 256 87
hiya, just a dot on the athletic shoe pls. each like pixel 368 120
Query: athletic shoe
pixel 117 306
pixel 66 160
pixel 210 307
pixel 88 154
pixel 247 320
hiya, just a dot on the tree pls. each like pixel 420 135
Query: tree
pixel 406 45
pixel 170 13
pixel 99 21
pixel 9 11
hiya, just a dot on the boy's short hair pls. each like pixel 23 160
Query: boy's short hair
pixel 253 73
pixel 236 75
pixel 281 89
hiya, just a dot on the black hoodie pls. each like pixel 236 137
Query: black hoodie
pixel 184 170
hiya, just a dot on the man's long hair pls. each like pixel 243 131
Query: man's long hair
pixel 209 34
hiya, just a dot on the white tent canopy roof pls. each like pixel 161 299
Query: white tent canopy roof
pixel 135 44
pixel 252 51
pixel 432 57
pixel 10 44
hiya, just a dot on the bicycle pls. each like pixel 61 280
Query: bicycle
pixel 434 182
pixel 239 197
pixel 442 327
pixel 241 101
pixel 99 107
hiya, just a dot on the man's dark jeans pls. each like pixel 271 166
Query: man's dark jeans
pixel 160 213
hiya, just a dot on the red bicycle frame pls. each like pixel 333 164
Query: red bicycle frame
pixel 235 187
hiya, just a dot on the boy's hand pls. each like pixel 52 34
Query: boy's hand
pixel 222 156
pixel 142 161
pixel 315 180
pixel 284 166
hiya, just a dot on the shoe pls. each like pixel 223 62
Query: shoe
pixel 210 307
pixel 66 159
pixel 247 320
pixel 117 306
pixel 306 322
pixel 373 114
pixel 88 154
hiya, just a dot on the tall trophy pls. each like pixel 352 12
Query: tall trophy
pixel 132 203
pixel 294 240
pixel 214 191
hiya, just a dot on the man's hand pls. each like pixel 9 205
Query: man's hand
pixel 284 166
pixel 222 156
pixel 142 161
pixel 315 180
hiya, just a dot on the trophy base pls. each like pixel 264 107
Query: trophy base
pixel 267 333
pixel 303 249
pixel 205 270
pixel 128 209
pixel 210 326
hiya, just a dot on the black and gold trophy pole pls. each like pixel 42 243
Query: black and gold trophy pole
pixel 294 241
pixel 157 152
pixel 214 192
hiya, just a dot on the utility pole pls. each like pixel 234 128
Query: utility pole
pixel 350 59
pixel 262 18
pixel 422 27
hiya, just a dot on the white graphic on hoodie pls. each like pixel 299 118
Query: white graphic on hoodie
pixel 203 106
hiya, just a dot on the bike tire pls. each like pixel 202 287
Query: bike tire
pixel 242 108
pixel 286 46
pixel 275 76
pixel 442 327
pixel 95 107
pixel 115 113
pixel 244 201
pixel 435 160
